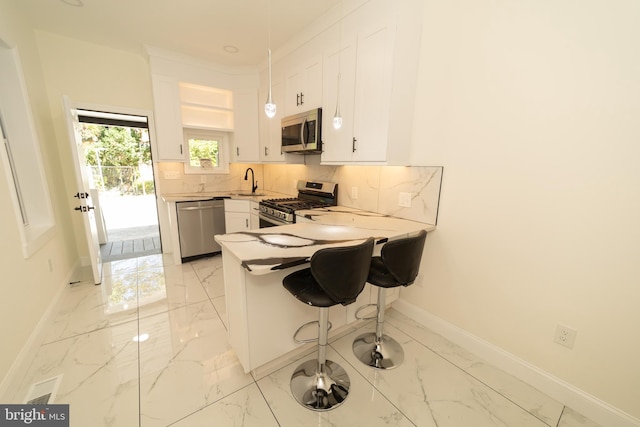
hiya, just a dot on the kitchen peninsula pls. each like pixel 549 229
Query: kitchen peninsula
pixel 262 315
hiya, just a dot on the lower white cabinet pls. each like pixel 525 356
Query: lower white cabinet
pixel 254 221
pixel 237 216
pixel 240 215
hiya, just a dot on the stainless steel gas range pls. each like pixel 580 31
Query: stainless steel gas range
pixel 311 195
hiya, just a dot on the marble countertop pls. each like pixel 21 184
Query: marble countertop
pixel 237 194
pixel 276 248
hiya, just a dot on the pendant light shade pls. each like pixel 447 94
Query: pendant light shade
pixel 337 118
pixel 269 106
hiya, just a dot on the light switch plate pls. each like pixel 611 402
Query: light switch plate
pixel 354 193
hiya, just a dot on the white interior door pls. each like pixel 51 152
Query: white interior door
pixel 84 205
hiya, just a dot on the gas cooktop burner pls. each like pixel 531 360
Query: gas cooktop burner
pixel 310 195
pixel 292 204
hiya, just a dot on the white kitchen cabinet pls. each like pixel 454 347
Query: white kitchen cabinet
pixel 241 215
pixel 270 128
pixel 337 143
pixel 379 70
pixel 303 85
pixel 365 64
pixel 254 221
pixel 246 128
pixel 237 215
pixel 168 121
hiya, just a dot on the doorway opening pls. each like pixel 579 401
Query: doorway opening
pixel 118 154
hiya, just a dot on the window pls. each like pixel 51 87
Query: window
pixel 21 159
pixel 207 151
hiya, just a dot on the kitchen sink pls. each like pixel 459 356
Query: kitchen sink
pixel 246 194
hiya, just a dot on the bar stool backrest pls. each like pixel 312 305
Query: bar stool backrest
pixel 402 257
pixel 342 272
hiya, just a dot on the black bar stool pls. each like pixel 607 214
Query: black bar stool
pixel 398 265
pixel 336 276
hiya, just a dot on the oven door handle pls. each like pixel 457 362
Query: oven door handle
pixel 271 220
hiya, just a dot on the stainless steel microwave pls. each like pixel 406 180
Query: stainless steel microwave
pixel 302 133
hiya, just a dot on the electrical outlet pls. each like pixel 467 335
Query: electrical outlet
pixel 565 336
pixel 404 200
pixel 171 175
pixel 354 193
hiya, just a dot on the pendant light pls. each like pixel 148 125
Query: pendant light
pixel 337 118
pixel 269 106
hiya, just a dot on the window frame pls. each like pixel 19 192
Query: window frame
pixel 223 151
pixel 24 168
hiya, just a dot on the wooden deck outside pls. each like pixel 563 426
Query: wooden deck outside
pixel 133 248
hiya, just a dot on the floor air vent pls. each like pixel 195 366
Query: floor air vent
pixel 44 392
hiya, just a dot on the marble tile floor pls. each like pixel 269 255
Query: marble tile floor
pixel 149 348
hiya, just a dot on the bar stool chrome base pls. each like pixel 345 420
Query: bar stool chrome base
pixel 320 391
pixel 383 353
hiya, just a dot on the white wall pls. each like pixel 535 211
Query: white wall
pixel 88 74
pixel 27 286
pixel 533 108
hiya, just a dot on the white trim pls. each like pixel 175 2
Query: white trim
pixel 19 126
pixel 577 399
pixel 18 367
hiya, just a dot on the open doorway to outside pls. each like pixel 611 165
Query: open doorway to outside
pixel 118 152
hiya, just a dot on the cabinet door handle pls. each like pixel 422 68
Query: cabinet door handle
pixel 301 98
pixel 353 145
pixel 266 151
pixel 297 99
pixel 237 151
pixel 247 222
pixel 181 149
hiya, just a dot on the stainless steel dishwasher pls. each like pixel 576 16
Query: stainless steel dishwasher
pixel 198 222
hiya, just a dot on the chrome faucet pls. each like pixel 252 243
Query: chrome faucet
pixel 254 184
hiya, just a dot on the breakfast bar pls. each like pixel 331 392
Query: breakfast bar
pixel 262 315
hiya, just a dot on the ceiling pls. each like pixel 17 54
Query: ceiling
pixel 198 28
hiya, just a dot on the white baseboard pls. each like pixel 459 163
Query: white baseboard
pixel 35 338
pixel 571 396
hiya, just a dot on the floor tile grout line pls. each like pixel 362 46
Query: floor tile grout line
pixel 209 404
pixel 373 385
pixel 564 407
pixel 138 343
pixel 470 374
pixel 265 399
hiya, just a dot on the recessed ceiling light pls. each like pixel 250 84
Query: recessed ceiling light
pixel 231 49
pixel 76 3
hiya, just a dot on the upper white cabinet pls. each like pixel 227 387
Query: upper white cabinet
pixel 169 138
pixel 246 129
pixel 365 64
pixel 180 105
pixel 270 128
pixel 337 143
pixel 375 56
pixel 303 86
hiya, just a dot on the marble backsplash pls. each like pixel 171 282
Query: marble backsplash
pixel 378 188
